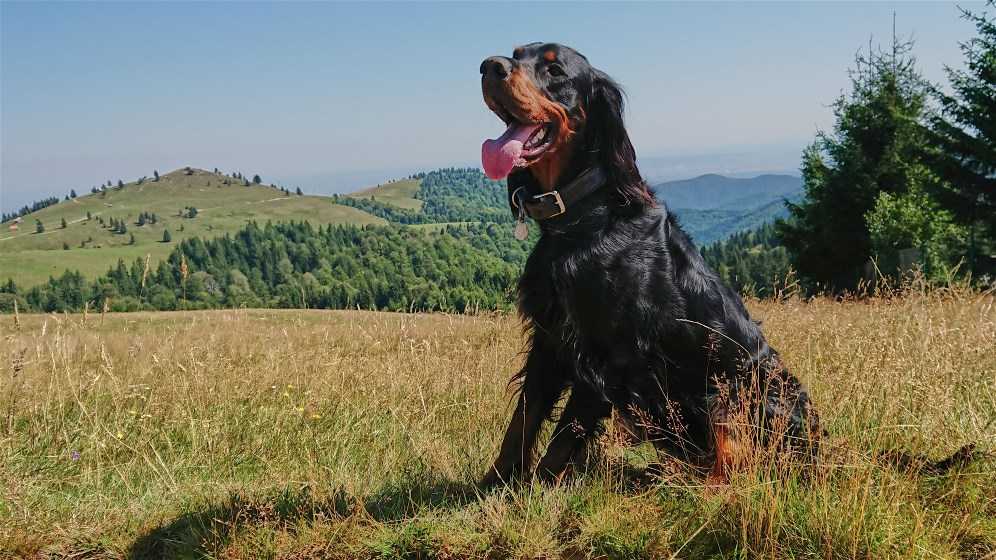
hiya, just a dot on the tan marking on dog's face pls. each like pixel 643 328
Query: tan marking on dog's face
pixel 550 56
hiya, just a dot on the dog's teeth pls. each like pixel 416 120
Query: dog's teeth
pixel 536 138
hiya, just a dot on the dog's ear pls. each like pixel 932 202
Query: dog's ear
pixel 606 132
pixel 605 119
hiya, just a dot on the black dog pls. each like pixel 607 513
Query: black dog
pixel 618 303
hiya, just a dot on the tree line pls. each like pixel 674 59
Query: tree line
pixel 453 268
pixel 26 209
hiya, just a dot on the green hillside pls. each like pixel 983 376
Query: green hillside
pixel 223 206
pixel 401 193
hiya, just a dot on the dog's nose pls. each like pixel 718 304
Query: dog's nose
pixel 496 68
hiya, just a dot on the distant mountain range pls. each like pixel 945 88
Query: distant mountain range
pixel 713 207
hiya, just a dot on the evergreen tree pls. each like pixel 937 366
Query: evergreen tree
pixel 965 134
pixel 166 236
pixel 299 193
pixel 155 175
pixel 877 148
pixel 256 179
pixel 120 184
pixel 39 227
pixel 72 193
pixel 63 224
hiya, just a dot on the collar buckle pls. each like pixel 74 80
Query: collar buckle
pixel 556 200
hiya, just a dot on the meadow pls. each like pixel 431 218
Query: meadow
pixel 258 434
pixel 223 205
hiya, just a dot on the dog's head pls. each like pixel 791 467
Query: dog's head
pixel 562 115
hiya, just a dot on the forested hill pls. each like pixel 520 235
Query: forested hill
pixel 453 268
pixel 447 195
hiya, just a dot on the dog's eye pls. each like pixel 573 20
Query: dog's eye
pixel 555 70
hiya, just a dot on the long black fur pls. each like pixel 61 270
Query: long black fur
pixel 621 309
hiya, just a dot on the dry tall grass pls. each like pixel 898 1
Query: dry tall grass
pixel 272 434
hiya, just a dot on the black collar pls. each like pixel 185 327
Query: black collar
pixel 554 203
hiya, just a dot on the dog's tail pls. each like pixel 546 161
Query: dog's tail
pixel 908 462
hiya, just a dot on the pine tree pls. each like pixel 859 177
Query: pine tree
pixel 965 134
pixel 63 224
pixel 166 236
pixel 877 147
pixel 72 193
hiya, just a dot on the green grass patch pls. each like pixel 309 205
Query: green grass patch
pixel 335 434
pixel 399 193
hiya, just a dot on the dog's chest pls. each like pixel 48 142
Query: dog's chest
pixel 575 300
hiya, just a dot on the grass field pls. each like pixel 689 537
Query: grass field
pixel 30 258
pixel 399 193
pixel 306 434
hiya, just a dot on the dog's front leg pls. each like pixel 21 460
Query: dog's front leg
pixel 577 426
pixel 541 387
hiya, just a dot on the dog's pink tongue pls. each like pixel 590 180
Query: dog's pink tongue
pixel 500 155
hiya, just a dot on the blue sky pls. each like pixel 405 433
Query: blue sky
pixel 330 96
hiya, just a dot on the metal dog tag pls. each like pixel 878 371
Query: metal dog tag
pixel 521 230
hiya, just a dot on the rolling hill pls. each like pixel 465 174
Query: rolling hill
pixel 223 205
pixel 401 193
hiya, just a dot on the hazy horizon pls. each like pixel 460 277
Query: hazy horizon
pixel 332 97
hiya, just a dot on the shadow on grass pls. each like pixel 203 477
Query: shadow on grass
pixel 216 525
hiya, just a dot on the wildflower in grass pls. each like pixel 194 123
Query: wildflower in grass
pixel 120 435
pixel 286 394
pixel 133 412
pixel 300 409
pixel 74 456
pixel 316 416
